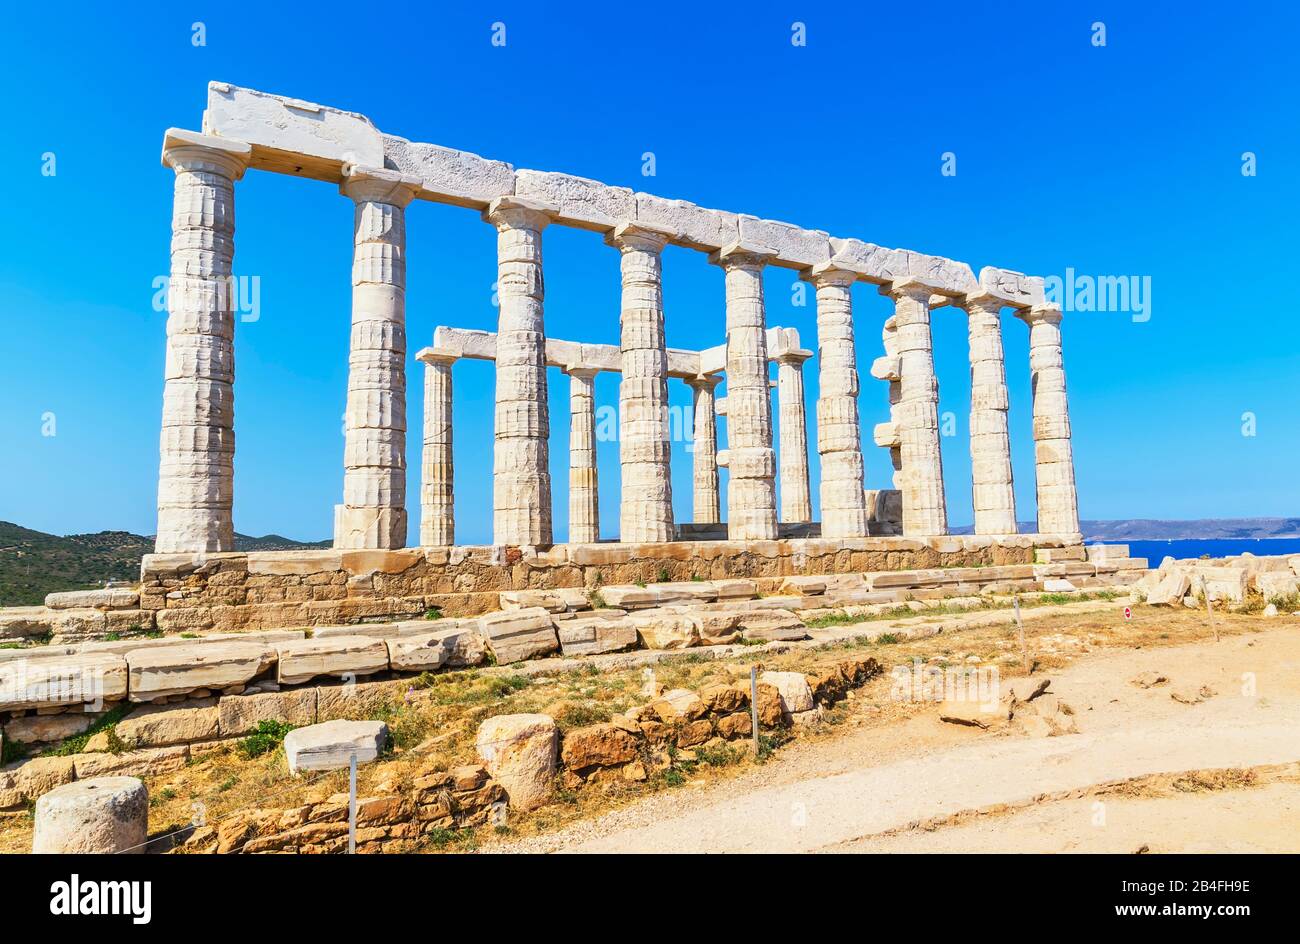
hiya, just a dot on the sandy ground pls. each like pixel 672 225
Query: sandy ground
pixel 1231 705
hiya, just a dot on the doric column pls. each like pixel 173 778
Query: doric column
pixel 751 462
pixel 646 509
pixel 706 508
pixel 521 489
pixel 437 497
pixel 197 445
pixel 584 496
pixel 924 508
pixel 373 513
pixel 796 502
pixel 1058 508
pixel 839 434
pixel 990 443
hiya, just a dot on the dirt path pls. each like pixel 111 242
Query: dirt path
pixel 837 793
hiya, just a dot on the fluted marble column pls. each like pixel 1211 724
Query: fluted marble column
pixel 373 513
pixel 584 496
pixel 796 501
pixel 521 492
pixel 924 507
pixel 197 444
pixel 706 506
pixel 646 508
pixel 751 461
pixel 1058 508
pixel 839 434
pixel 992 490
pixel 437 497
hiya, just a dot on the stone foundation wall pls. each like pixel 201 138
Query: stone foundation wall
pixel 243 591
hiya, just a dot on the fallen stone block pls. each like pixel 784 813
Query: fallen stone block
pixel 1106 552
pixel 453 647
pixel 241 714
pixel 735 589
pixel 796 694
pixel 32 778
pixel 148 762
pixel 1273 585
pixel 163 725
pixel 163 671
pixel 107 599
pixel 1058 585
pixel 45 729
pixel 597 746
pixel 85 678
pixel 337 656
pixel 1054 555
pixel 515 635
pixel 665 630
pixel 592 635
pixel 520 752
pixel 21 622
pixel 330 746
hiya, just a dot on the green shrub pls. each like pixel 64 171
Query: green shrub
pixel 266 737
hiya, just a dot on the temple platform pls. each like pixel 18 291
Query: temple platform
pixel 233 592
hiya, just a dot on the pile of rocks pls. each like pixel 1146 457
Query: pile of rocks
pixel 387 822
pixel 1230 580
pixel 525 752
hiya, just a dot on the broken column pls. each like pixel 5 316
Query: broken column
pixel 839 437
pixel 521 491
pixel 584 496
pixel 197 445
pixel 751 462
pixel 437 497
pixel 646 509
pixel 706 507
pixel 924 508
pixel 796 502
pixel 990 442
pixel 1058 509
pixel 373 512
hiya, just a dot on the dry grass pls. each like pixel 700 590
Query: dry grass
pixel 434 726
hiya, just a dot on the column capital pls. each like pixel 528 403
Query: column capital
pixel 827 273
pixel 982 300
pixel 378 185
pixel 642 237
pixel 741 255
pixel 438 356
pixel 913 287
pixel 191 151
pixel 518 213
pixel 1040 314
pixel 704 381
pixel 794 358
pixel 581 371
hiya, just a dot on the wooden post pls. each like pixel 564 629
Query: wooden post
pixel 1020 624
pixel 352 805
pixel 753 704
pixel 1209 608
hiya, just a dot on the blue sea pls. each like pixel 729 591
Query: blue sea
pixel 1155 551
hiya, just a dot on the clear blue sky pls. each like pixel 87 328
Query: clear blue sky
pixel 1122 160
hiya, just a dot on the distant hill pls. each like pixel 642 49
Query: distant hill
pixel 33 563
pixel 1204 529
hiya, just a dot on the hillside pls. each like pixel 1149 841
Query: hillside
pixel 33 563
pixel 1152 529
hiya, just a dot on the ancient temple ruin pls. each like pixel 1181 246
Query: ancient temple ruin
pixel 382 174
